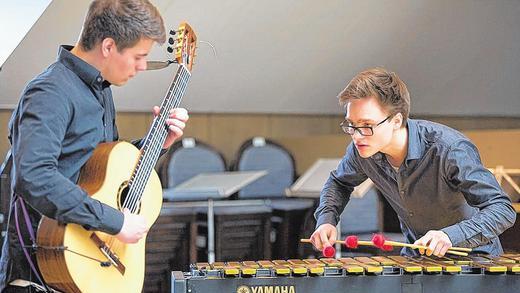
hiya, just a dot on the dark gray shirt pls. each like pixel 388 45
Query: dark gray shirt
pixel 63 114
pixel 441 185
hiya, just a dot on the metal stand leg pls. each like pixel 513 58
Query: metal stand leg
pixel 211 232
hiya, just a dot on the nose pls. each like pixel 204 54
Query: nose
pixel 356 135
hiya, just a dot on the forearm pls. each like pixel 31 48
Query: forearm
pixel 58 198
pixel 333 199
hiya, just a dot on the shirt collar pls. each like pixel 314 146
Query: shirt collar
pixel 416 145
pixel 86 72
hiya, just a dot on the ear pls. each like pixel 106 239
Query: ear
pixel 398 120
pixel 108 46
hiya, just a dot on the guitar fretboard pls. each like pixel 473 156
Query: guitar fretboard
pixel 155 138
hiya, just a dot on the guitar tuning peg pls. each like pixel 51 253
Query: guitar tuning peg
pixel 169 49
pixel 172 32
pixel 171 41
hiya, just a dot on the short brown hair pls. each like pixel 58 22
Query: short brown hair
pixel 125 21
pixel 383 84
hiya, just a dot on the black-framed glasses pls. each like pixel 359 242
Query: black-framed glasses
pixel 363 130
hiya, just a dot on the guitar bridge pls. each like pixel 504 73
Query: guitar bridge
pixel 105 249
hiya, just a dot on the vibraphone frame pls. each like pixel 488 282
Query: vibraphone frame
pixel 376 274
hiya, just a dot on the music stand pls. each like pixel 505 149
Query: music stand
pixel 210 186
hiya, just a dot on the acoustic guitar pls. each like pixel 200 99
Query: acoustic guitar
pixel 73 259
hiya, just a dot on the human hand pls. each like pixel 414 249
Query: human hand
pixel 176 122
pixel 436 241
pixel 324 236
pixel 134 228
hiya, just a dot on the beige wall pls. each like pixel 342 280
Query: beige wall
pixel 226 132
pixel 308 136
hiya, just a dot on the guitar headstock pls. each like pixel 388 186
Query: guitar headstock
pixel 184 43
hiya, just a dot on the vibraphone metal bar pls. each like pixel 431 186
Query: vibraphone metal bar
pixel 473 274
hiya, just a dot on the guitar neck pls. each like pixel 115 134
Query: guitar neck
pixel 156 136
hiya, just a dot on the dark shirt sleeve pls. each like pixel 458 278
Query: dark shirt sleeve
pixel 36 145
pixel 336 191
pixel 465 173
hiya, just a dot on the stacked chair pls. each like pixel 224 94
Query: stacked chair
pixel 179 237
pixel 171 242
pixel 169 246
pixel 5 194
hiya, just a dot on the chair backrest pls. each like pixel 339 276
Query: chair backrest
pixel 259 153
pixel 188 158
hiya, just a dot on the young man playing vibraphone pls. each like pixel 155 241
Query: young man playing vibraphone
pixel 431 175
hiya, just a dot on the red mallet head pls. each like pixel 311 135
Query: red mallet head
pixel 378 240
pixel 329 251
pixel 387 247
pixel 351 241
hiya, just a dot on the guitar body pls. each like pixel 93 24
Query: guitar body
pixel 104 177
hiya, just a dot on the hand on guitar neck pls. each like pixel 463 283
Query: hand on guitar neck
pixel 176 122
pixel 134 228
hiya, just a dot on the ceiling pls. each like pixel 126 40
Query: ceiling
pixel 457 57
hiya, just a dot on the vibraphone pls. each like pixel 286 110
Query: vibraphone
pixel 358 274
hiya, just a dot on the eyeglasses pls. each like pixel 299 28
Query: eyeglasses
pixel 363 130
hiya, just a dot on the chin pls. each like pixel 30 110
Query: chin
pixel 365 154
pixel 119 83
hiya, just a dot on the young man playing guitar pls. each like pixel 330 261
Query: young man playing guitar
pixel 63 114
pixel 430 174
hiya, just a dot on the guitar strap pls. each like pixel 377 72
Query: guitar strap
pixel 18 201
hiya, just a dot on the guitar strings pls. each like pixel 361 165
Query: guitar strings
pixel 142 171
pixel 156 133
pixel 154 146
pixel 135 183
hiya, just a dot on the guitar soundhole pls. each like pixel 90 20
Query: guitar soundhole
pixel 122 195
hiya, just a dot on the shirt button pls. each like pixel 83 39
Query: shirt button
pixel 402 192
pixel 411 214
pixel 99 79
